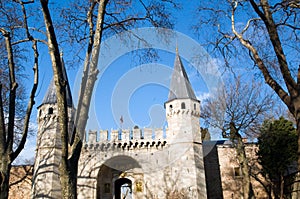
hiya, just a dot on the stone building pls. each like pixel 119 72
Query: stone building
pixel 223 178
pixel 20 182
pixel 139 163
pixel 223 172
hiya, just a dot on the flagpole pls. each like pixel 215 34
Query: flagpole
pixel 121 122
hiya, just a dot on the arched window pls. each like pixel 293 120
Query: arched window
pixel 194 106
pixel 50 110
pixel 182 105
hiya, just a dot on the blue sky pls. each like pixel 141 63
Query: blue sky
pixel 145 99
pixel 133 91
pixel 145 102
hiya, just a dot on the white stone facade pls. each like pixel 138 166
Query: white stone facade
pixel 137 163
pixel 157 163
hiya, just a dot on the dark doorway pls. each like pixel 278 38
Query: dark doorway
pixel 123 188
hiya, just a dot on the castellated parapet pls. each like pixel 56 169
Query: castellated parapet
pixel 126 139
pixel 137 138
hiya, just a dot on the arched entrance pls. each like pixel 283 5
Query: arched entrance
pixel 118 178
pixel 123 189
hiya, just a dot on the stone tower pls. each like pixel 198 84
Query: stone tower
pixel 183 114
pixel 46 183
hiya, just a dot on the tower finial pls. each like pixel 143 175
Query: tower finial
pixel 176 47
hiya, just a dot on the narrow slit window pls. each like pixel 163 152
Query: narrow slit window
pixel 171 107
pixel 237 172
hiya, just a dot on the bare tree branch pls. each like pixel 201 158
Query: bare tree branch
pixel 31 102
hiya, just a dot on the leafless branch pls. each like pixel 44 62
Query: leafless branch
pixel 31 102
pixel 27 172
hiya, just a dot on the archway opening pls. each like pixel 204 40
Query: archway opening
pixel 123 189
pixel 115 175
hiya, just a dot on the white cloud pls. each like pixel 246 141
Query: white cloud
pixel 202 96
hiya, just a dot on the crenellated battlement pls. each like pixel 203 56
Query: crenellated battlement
pixel 126 138
pixel 184 111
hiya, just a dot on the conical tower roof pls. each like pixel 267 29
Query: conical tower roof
pixel 50 97
pixel 180 86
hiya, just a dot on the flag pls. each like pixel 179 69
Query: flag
pixel 121 119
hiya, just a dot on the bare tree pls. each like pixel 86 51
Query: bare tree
pixel 237 110
pixel 101 15
pixel 265 33
pixel 12 40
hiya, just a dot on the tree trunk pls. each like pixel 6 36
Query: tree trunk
pixel 270 192
pixel 247 186
pixel 91 71
pixel 291 97
pixel 296 185
pixel 5 167
pixel 67 174
pixel 7 126
pixel 68 179
pixel 281 186
pixel 7 136
pixel 239 146
pixel 4 163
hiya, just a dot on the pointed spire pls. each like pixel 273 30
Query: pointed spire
pixel 180 87
pixel 50 97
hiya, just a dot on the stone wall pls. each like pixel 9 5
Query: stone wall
pixel 212 169
pixel 20 182
pixel 231 177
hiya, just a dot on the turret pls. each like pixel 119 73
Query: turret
pixel 182 107
pixel 46 183
pixel 183 114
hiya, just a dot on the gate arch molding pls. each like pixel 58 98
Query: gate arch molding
pixel 118 176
